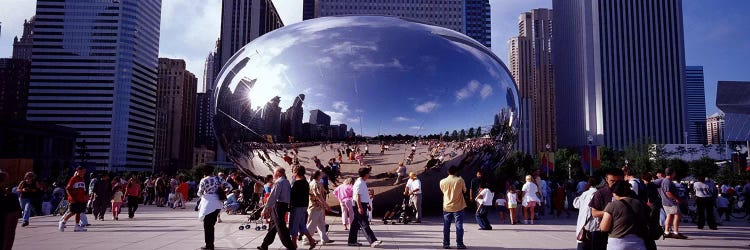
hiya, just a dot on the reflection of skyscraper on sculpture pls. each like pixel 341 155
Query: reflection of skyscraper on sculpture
pixel 271 116
pixel 291 120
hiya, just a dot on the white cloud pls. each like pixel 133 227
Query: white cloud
pixel 402 119
pixel 416 127
pixel 353 120
pixel 336 117
pixel 359 110
pixel 341 106
pixel 367 64
pixel 324 61
pixel 467 91
pixel 426 107
pixel 486 91
pixel 348 48
pixel 12 15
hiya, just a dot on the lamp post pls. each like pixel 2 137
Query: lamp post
pixel 591 160
pixel 547 146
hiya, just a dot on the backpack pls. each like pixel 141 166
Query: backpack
pixel 642 192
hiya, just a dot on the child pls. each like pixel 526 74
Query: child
pixel 372 201
pixel 116 202
pixel 484 203
pixel 502 206
pixel 723 206
pixel 512 204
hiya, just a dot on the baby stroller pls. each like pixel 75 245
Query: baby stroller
pixel 401 213
pixel 254 219
pixel 61 208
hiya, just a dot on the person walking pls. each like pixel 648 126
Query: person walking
pixel 529 199
pixel 414 192
pixel 400 173
pixel 585 219
pixel 623 219
pixel 344 194
pixel 102 196
pixel 117 197
pixel 602 197
pixel 77 198
pixel 276 208
pixel 299 201
pixel 133 194
pixel 705 200
pixel 670 201
pixel 210 205
pixel 361 204
pixel 484 204
pixel 317 209
pixel 453 188
pixel 28 188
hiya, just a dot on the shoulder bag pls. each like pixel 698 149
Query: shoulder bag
pixel 584 234
pixel 651 230
pixel 221 191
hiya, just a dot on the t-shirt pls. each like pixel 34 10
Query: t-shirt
pixel 76 190
pixel 414 185
pixel 360 189
pixel 501 202
pixel 512 198
pixel 300 196
pixel 453 188
pixel 602 197
pixel 702 190
pixel 117 197
pixel 625 221
pixel 667 186
pixel 722 202
pixel 487 197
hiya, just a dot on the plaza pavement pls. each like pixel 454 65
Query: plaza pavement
pixel 164 228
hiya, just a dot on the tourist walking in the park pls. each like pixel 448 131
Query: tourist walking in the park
pixel 484 204
pixel 28 189
pixel 10 211
pixel 653 199
pixel 77 198
pixel 414 192
pixel 298 203
pixel 705 200
pixel 529 199
pixel 133 196
pixel 585 220
pixel 360 206
pixel 671 203
pixel 210 204
pixel 602 197
pixel 102 196
pixel 117 198
pixel 453 188
pixel 624 220
pixel 276 208
pixel 317 209
pixel 512 198
pixel 344 194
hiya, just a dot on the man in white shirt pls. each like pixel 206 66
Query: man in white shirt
pixel 361 203
pixel 414 191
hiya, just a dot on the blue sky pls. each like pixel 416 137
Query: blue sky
pixel 714 36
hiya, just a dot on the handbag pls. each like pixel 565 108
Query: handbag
pixel 651 230
pixel 584 234
pixel 221 191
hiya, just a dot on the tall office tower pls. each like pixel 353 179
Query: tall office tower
pixel 209 73
pixel 291 120
pixel 175 138
pixel 244 20
pixel 14 88
pixel 22 47
pixel 94 68
pixel 470 17
pixel 204 134
pixel 695 105
pixel 319 118
pixel 715 129
pixel 619 72
pixel 531 67
pixel 733 100
pixel 271 116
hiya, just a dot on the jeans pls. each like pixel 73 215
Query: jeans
pixel 26 205
pixel 706 211
pixel 132 206
pixel 208 227
pixel 100 207
pixel 482 220
pixel 361 221
pixel 277 225
pixel 458 218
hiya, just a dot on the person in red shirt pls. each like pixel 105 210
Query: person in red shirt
pixel 77 197
pixel 133 194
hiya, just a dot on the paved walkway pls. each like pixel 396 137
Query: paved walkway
pixel 163 228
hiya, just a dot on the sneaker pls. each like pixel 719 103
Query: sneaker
pixel 376 244
pixel 61 226
pixel 354 244
pixel 25 223
pixel 461 247
pixel 532 222
pixel 446 247
pixel 79 229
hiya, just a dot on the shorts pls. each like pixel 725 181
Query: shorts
pixel 531 204
pixel 512 206
pixel 671 209
pixel 77 207
pixel 502 209
pixel 298 221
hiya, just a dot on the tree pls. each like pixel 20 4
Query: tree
pixel 462 134
pixel 471 133
pixel 454 135
pixel 703 167
pixel 479 131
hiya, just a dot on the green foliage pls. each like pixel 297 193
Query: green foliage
pixel 516 166
pixel 703 167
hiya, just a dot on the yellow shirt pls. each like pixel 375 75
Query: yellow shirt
pixel 453 188
pixel 117 197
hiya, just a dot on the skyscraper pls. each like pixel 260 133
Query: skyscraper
pixel 619 72
pixel 244 20
pixel 204 134
pixel 531 66
pixel 14 88
pixel 22 47
pixel 470 17
pixel 733 100
pixel 175 138
pixel 715 129
pixel 94 69
pixel 695 105
pixel 319 117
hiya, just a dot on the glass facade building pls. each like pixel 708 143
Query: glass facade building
pixel 732 99
pixel 94 68
pixel 695 105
